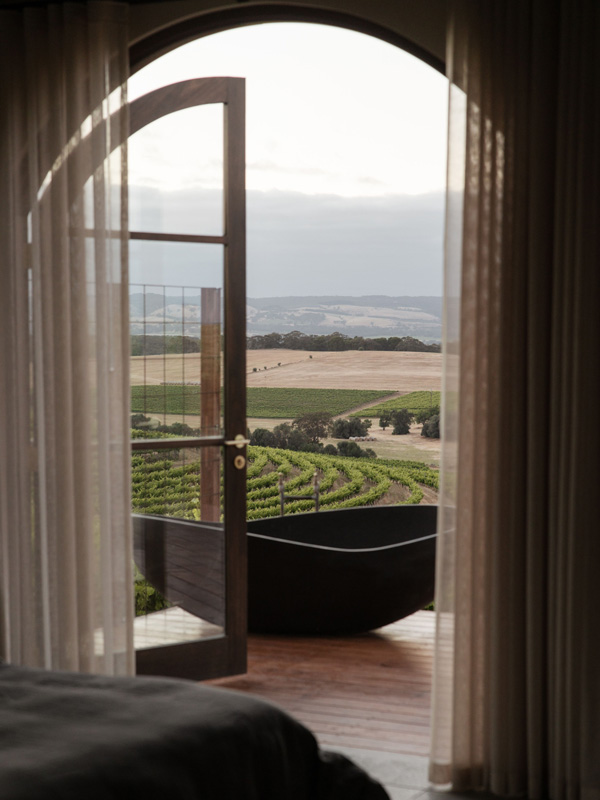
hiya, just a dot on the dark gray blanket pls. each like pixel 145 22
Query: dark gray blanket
pixel 66 736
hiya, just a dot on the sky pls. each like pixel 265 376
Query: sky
pixel 345 165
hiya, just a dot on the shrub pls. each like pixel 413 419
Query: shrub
pixel 140 421
pixel 353 450
pixel 262 437
pixel 147 598
pixel 431 427
pixel 346 448
pixel 426 413
pixel 178 429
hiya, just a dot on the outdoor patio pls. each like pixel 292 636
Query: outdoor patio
pixel 369 692
pixel 365 696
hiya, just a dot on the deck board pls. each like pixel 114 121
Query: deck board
pixel 371 692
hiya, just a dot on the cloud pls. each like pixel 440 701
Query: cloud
pixel 301 244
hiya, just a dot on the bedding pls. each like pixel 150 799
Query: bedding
pixel 67 736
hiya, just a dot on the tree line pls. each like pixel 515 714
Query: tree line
pixel 295 340
pixel 305 432
pixel 153 345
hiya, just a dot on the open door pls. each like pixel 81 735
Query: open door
pixel 196 559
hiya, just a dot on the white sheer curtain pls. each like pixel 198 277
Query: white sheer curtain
pixel 516 705
pixel 66 553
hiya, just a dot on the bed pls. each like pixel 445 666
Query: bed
pixel 67 736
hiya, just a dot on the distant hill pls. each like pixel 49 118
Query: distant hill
pixel 369 316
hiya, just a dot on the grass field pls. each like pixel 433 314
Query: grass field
pixel 262 401
pixel 414 402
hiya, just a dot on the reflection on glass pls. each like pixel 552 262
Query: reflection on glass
pixel 176 173
pixel 180 557
pixel 182 482
pixel 176 353
pixel 172 264
pixel 171 626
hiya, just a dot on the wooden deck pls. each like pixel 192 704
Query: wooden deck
pixel 369 692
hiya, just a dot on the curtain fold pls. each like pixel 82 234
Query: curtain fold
pixel 516 692
pixel 66 584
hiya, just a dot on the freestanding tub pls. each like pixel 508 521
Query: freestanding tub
pixel 331 572
pixel 340 572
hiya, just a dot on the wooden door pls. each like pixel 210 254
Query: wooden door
pixel 200 564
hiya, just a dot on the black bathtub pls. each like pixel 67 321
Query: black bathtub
pixel 340 572
pixel 331 572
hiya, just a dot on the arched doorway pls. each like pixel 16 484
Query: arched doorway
pixel 172 44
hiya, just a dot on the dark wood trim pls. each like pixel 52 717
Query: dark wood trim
pixel 176 97
pixel 175 444
pixel 235 371
pixel 201 660
pixel 190 238
pixel 146 50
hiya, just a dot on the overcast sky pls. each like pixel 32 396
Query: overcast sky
pixel 345 165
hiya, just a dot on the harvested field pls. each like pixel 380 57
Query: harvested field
pixel 352 369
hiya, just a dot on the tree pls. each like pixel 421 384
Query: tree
pixel 315 425
pixel 352 449
pixel 281 433
pixel 431 427
pixel 312 447
pixel 298 440
pixel 385 419
pixel 340 429
pixel 401 419
pixel 345 428
pixel 262 437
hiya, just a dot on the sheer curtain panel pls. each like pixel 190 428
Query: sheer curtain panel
pixel 516 706
pixel 66 553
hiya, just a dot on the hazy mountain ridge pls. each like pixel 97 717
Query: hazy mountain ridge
pixel 369 315
pixel 429 304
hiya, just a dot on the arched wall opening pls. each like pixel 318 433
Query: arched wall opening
pixel 420 31
pixel 156 44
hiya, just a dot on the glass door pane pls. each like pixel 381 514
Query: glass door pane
pixel 176 173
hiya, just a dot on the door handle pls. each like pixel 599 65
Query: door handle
pixel 240 441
